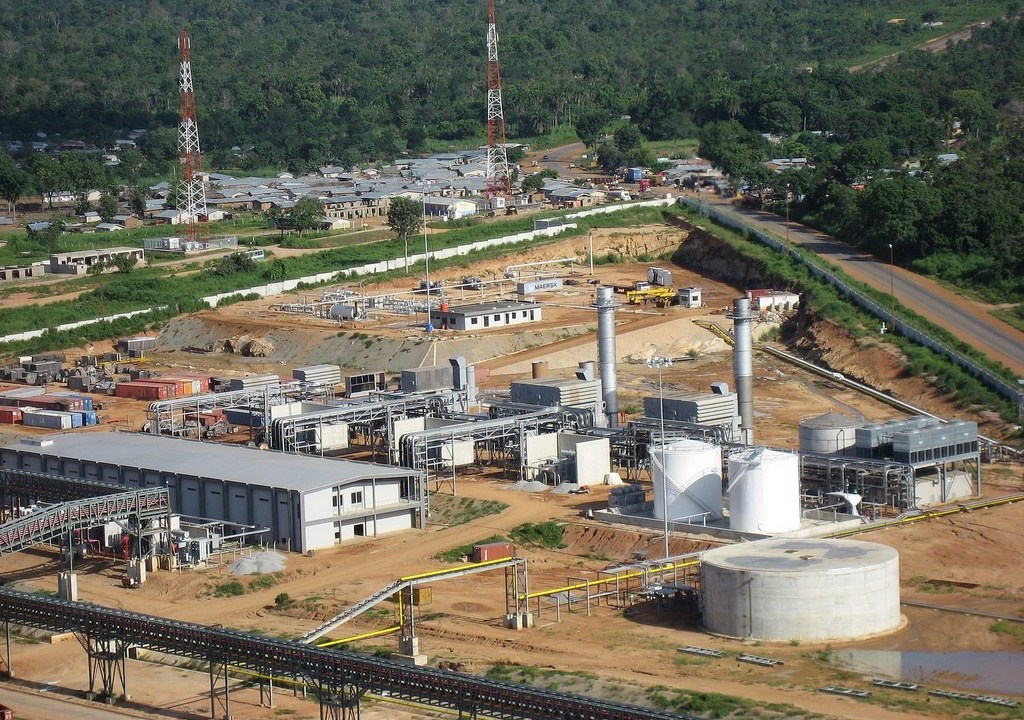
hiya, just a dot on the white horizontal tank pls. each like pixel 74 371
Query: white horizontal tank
pixel 764 491
pixel 801 589
pixel 688 475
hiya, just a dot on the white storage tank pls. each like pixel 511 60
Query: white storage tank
pixel 690 472
pixel 806 589
pixel 831 433
pixel 764 491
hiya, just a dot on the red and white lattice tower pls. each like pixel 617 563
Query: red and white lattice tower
pixel 191 193
pixel 499 179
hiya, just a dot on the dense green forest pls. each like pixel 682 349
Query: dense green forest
pixel 298 84
pixel 301 83
pixel 877 179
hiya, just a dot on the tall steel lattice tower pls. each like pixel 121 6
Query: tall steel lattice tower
pixel 191 193
pixel 499 179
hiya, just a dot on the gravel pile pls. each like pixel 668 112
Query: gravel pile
pixel 529 486
pixel 263 563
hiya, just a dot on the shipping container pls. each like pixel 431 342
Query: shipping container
pixel 492 551
pixel 47 419
pixel 141 391
pixel 10 415
pixel 173 387
pixel 529 287
pixel 6 713
pixel 77 419
pixel 90 417
pixel 86 400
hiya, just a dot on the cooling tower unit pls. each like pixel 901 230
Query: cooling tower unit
pixel 764 491
pixel 806 590
pixel 688 475
pixel 829 434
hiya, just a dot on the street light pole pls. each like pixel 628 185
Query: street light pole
pixel 661 363
pixel 892 291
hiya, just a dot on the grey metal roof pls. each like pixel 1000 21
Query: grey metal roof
pixel 492 307
pixel 247 466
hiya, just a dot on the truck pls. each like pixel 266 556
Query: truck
pixel 634 174
pixel 659 296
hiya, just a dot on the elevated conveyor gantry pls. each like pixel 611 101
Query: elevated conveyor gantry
pixel 58 520
pixel 331 672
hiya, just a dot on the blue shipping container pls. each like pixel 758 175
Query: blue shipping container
pixel 634 174
pixel 76 419
pixel 90 417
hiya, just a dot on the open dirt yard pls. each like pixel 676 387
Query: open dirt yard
pixel 966 561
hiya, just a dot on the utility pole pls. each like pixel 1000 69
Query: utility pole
pixel 191 200
pixel 892 291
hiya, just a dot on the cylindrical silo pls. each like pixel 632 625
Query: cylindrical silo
pixel 801 589
pixel 829 434
pixel 764 491
pixel 688 478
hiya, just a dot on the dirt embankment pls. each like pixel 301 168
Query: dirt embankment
pixel 711 257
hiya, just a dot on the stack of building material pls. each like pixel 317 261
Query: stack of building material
pixel 628 498
pixel 326 375
pixel 252 382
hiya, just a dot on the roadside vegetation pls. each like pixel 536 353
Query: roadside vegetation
pixel 826 302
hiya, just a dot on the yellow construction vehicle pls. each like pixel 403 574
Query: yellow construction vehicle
pixel 660 296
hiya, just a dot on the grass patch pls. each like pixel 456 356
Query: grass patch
pixel 262 582
pixel 229 589
pixel 1005 627
pixel 447 510
pixel 546 534
pixel 465 551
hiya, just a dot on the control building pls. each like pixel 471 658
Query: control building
pixel 305 502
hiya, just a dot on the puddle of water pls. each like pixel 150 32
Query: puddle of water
pixel 992 672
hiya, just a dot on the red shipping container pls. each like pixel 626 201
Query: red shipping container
pixel 492 551
pixel 170 385
pixel 141 391
pixel 10 415
pixel 53 402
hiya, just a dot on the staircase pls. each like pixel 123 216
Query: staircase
pixel 357 609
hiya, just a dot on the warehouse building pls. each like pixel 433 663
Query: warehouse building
pixel 481 316
pixel 306 502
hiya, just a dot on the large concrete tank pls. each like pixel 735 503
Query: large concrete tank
pixel 831 433
pixel 764 491
pixel 688 475
pixel 807 590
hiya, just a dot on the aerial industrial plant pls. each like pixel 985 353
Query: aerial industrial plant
pixel 494 472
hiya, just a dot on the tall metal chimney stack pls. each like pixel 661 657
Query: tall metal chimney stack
pixel 606 305
pixel 743 366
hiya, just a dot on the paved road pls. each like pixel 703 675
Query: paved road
pixel 969 320
pixel 29 705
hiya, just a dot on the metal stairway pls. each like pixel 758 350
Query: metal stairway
pixel 58 520
pixel 717 330
pixel 360 607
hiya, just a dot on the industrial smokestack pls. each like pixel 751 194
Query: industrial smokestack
pixel 606 305
pixel 743 366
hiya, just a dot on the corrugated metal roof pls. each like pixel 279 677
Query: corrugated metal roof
pixel 247 466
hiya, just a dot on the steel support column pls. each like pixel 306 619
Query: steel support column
pixel 339 701
pixel 107 665
pixel 215 674
pixel 5 661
